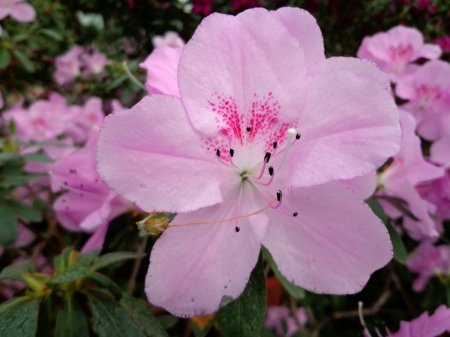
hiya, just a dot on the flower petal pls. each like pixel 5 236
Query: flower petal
pixel 364 185
pixel 334 243
pixel 193 269
pixel 304 28
pixel 23 12
pixel 161 66
pixel 241 61
pixel 363 68
pixel 440 151
pixel 146 153
pixel 349 127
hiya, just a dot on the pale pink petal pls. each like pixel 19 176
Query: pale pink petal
pixel 96 240
pixel 440 151
pixel 322 249
pixel 303 27
pixel 161 66
pixel 25 237
pixel 23 12
pixel 348 134
pixel 244 60
pixel 162 153
pixel 363 68
pixel 430 51
pixel 196 269
pixel 364 185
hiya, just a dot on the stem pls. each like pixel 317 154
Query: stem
pixel 131 76
pixel 137 264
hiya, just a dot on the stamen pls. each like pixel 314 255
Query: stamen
pixel 272 175
pixel 237 229
pixel 297 136
pixel 291 132
pixel 275 144
pixel 361 318
pixel 266 160
pixel 295 214
pixel 238 210
pixel 279 195
pixel 231 152
pixel 231 158
pixel 218 152
pixel 249 129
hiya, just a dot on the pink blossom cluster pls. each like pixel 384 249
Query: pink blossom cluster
pixel 414 186
pixel 86 203
pixel 279 320
pixel 79 61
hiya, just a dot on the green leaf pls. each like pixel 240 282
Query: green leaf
pixel 71 320
pixel 88 257
pixel 15 271
pixel 9 228
pixel 245 315
pixel 37 157
pixel 167 321
pixel 24 60
pixel 45 317
pixel 115 83
pixel 18 180
pixel 71 274
pixel 6 156
pixel 295 291
pixel 111 320
pixel 12 127
pixel 20 37
pixel 116 257
pixel 20 318
pixel 61 262
pixel 142 316
pixel 52 34
pixel 105 282
pixel 5 58
pixel 24 211
pixel 400 253
pixel 40 205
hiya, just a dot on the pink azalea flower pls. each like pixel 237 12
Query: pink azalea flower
pixel 202 6
pixel 428 260
pixel 88 119
pixel 24 238
pixel 88 204
pixel 428 92
pixel 408 169
pixel 440 151
pixel 277 315
pixel 443 42
pixel 437 192
pixel 225 157
pixel 68 65
pixel 94 63
pixel 395 49
pixel 18 9
pixel 423 326
pixel 170 38
pixel 161 66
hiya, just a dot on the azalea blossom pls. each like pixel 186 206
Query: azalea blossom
pixel 170 38
pixel 277 316
pixel 68 65
pixel 394 50
pixel 87 203
pixel 19 10
pixel 202 6
pixel 422 326
pixel 252 153
pixel 408 169
pixel 428 260
pixel 428 92
pixel 443 42
pixel 94 63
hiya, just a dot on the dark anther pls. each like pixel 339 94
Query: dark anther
pixel 275 144
pixel 231 152
pixel 218 152
pixel 271 170
pixel 237 229
pixel 267 157
pixel 298 136
pixel 295 213
pixel 279 194
pixel 73 171
pixel 249 129
pixel 65 183
pixel 81 185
